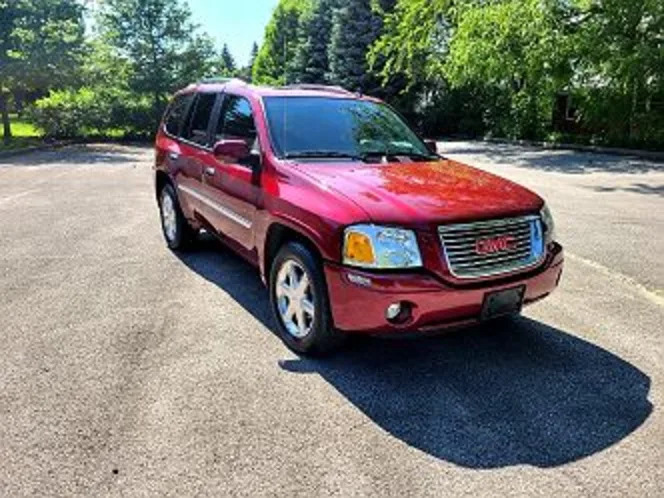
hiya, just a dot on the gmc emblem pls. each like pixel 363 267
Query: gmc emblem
pixel 495 244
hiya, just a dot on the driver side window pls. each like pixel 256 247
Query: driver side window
pixel 236 121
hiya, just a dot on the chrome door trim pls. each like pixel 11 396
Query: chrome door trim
pixel 222 210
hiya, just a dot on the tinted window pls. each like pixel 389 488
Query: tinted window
pixel 176 113
pixel 197 131
pixel 301 125
pixel 236 121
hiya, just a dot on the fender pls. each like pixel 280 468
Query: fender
pixel 322 242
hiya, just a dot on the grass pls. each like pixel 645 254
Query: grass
pixel 24 135
pixel 23 129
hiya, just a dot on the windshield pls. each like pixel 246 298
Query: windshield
pixel 320 127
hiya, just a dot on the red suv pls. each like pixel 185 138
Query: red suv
pixel 354 223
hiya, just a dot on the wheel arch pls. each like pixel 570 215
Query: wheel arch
pixel 161 180
pixel 278 234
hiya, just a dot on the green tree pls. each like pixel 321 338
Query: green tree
pixel 159 40
pixel 281 42
pixel 619 69
pixel 40 40
pixel 311 63
pixel 100 103
pixel 254 54
pixel 414 41
pixel 355 27
pixel 246 73
pixel 520 47
pixel 197 60
pixel 228 66
pixel 252 61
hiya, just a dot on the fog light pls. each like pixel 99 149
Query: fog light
pixel 393 311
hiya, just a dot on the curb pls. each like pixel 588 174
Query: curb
pixel 37 148
pixel 596 149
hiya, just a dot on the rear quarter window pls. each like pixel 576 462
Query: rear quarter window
pixel 176 113
pixel 197 129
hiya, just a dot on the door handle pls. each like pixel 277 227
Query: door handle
pixel 173 156
pixel 209 171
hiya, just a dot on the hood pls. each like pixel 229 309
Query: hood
pixel 424 193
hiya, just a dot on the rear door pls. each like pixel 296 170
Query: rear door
pixel 195 146
pixel 234 187
pixel 169 147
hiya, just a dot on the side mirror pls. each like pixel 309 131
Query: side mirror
pixel 232 149
pixel 432 146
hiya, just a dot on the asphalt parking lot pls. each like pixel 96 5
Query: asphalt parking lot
pixel 129 370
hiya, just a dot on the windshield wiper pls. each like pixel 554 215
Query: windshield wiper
pixel 417 155
pixel 321 154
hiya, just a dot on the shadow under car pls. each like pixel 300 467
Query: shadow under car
pixel 506 393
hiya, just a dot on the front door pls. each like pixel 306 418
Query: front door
pixel 233 186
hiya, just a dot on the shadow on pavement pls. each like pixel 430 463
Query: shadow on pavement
pixel 559 160
pixel 231 273
pixel 509 393
pixel 75 155
pixel 636 188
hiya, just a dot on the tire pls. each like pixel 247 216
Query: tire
pixel 176 229
pixel 304 329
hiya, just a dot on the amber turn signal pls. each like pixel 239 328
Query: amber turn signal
pixel 358 248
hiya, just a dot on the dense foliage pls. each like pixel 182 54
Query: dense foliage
pixel 159 40
pixel 39 41
pixel 581 70
pixel 124 72
pixel 585 69
pixel 282 37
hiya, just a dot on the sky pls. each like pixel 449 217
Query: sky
pixel 238 23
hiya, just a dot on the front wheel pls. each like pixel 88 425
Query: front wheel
pixel 299 302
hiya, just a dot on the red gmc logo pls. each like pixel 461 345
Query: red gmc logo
pixel 496 244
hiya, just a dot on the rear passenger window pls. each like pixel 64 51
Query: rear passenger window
pixel 197 131
pixel 176 113
pixel 236 121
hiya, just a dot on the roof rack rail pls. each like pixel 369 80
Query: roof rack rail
pixel 324 88
pixel 221 80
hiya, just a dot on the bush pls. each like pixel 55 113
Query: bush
pixel 65 113
pixel 92 112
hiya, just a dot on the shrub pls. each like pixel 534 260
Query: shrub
pixel 66 113
pixel 92 112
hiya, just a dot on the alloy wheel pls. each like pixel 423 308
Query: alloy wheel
pixel 169 216
pixel 295 299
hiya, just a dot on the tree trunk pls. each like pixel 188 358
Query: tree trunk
pixel 7 135
pixel 19 102
pixel 156 107
pixel 632 112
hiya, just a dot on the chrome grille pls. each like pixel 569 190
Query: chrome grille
pixel 470 248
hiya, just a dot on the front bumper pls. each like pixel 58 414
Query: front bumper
pixel 435 304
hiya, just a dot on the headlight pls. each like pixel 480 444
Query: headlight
pixel 548 225
pixel 372 246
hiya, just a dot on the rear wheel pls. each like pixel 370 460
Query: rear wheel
pixel 299 302
pixel 178 233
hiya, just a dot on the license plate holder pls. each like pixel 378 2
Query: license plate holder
pixel 503 302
